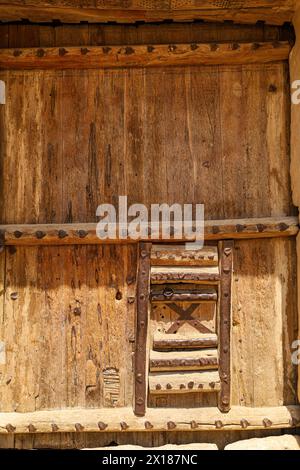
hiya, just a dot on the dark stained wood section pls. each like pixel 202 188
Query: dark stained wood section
pixel 226 264
pixel 142 314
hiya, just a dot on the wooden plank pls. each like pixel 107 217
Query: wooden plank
pixel 226 266
pixel 93 57
pixel 180 382
pixel 183 360
pixel 205 418
pixel 274 12
pixel 295 146
pixel 161 274
pixel 178 255
pixel 179 341
pixel 175 294
pixel 143 289
pixel 85 233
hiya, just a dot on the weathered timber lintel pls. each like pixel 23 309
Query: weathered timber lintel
pixel 85 233
pixel 113 419
pixel 249 11
pixel 97 57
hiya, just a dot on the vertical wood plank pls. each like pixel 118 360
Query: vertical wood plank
pixel 142 321
pixel 226 261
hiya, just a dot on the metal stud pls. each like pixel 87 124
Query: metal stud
pixel 14 295
pixel 260 227
pixel 240 228
pixel 18 234
pixel 31 428
pixel 267 423
pixel 102 426
pixel 148 425
pixel 79 427
pixel 171 425
pixel 169 386
pixel 218 424
pixel 10 428
pixel 82 233
pixel 190 385
pixel 158 387
pixel 244 423
pixel 124 426
pixel 39 234
pixel 62 234
pixel 54 427
pixel 194 425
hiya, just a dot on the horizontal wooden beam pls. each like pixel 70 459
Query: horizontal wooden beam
pixel 96 57
pixel 171 294
pixel 156 419
pixel 178 255
pixel 247 11
pixel 183 360
pixel 181 382
pixel 162 342
pixel 85 233
pixel 206 275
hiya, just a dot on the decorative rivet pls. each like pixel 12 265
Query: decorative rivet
pixel 182 386
pixel 150 48
pixel 40 52
pixel 31 428
pixel 139 378
pixel 77 311
pixel 10 428
pixel 194 425
pixel 171 425
pixel 84 50
pixel 158 387
pixel 62 234
pixel 283 227
pixel 169 386
pixel 14 295
pixel 62 51
pixel 18 234
pixel 54 427
pixel 124 426
pixel 190 385
pixel 218 424
pixel 260 227
pixel 227 251
pixel 212 384
pixel 148 425
pixel 79 427
pixel 225 400
pixel 214 47
pixel 102 426
pixel 39 234
pixel 267 423
pixel 82 233
pixel 244 423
